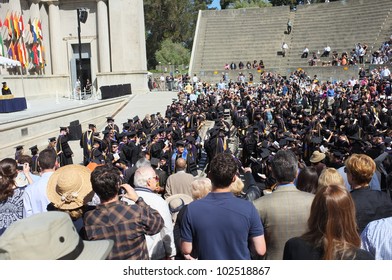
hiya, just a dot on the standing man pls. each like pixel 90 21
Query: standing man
pixel 86 143
pixel 289 26
pixel 230 229
pixel 180 182
pixel 284 212
pixel 63 149
pixel 113 219
pixel 35 199
pixel 161 245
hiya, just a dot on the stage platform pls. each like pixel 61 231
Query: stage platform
pixel 44 116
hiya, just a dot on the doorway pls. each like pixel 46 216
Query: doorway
pixel 85 72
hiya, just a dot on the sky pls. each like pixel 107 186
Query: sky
pixel 215 3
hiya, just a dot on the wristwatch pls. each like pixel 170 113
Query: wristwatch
pixel 140 199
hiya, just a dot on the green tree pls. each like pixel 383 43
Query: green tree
pixel 173 53
pixel 170 19
pixel 240 4
pixel 283 2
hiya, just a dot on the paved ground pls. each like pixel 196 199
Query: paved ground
pixel 141 104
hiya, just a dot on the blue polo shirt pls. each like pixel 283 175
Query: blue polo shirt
pixel 220 225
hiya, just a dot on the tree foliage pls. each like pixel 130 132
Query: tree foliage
pixel 172 53
pixel 240 4
pixel 170 19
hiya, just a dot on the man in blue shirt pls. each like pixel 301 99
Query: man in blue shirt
pixel 230 228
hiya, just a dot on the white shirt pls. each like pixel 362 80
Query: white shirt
pixel 161 244
pixel 35 199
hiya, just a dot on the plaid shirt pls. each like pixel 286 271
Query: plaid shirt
pixel 126 225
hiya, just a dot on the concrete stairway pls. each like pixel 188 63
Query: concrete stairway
pixel 255 34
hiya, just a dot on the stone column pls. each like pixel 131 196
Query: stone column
pixel 103 36
pixel 34 9
pixel 56 46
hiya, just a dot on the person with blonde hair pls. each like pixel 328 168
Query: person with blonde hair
pixel 332 230
pixel 330 176
pixel 370 204
pixel 200 188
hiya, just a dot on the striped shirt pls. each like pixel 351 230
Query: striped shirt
pixel 126 225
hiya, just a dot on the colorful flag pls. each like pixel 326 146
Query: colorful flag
pixel 32 30
pixel 21 25
pixel 1 46
pixel 7 23
pixel 16 25
pixel 40 29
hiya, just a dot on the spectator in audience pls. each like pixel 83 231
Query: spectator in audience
pixel 370 204
pixel 286 210
pixel 49 236
pixel 375 239
pixel 160 245
pixel 332 230
pixel 69 190
pixel 307 179
pixel 305 52
pixel 326 52
pixel 11 196
pixel 285 48
pixel 179 182
pixel 126 225
pixel 35 199
pixel 220 235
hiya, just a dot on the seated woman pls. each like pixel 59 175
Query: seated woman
pixel 332 229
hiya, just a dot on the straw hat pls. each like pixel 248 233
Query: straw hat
pixel 317 157
pixel 49 236
pixel 69 187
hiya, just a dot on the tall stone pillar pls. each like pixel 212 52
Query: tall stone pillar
pixel 34 9
pixel 56 46
pixel 103 36
pixel 127 30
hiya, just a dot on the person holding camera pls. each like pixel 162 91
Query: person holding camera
pixel 127 225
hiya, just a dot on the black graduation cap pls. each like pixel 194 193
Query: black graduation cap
pixel 143 142
pixel 190 139
pixel 154 162
pixel 115 143
pixel 317 140
pixel 130 120
pixel 108 119
pixel 152 115
pixel 282 142
pixel 91 125
pixel 19 147
pixel 265 153
pixel 33 148
pixel 4 83
pixel 136 118
pixel 154 133
pixel 180 143
pixel 63 128
pixel 338 154
pixel 126 125
pixel 52 139
pixel 132 133
pixel 289 139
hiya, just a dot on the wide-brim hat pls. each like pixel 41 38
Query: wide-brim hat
pixel 317 157
pixel 176 202
pixel 49 236
pixel 69 187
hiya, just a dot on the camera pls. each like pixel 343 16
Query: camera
pixel 20 167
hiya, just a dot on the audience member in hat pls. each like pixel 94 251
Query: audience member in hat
pixel 111 125
pixel 231 228
pixel 86 143
pixel 286 210
pixel 11 196
pixel 161 245
pixel 332 229
pixel 69 190
pixel 63 149
pixel 127 225
pixel 370 204
pixel 49 236
pixel 35 199
pixel 375 239
pixel 307 179
pixel 5 90
pixel 179 182
pixel 316 160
